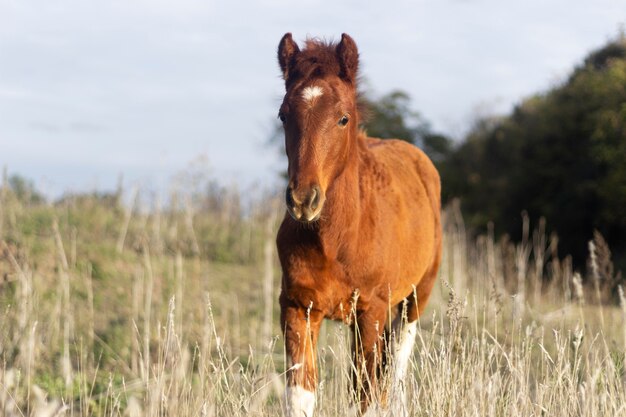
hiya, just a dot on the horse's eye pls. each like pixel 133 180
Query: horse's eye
pixel 343 121
pixel 282 117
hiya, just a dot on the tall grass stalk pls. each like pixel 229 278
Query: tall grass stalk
pixel 268 273
pixel 128 214
pixel 622 303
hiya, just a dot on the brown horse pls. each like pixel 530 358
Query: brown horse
pixel 362 236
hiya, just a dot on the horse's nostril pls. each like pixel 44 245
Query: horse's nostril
pixel 315 199
pixel 289 197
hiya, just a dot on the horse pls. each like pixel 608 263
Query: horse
pixel 361 237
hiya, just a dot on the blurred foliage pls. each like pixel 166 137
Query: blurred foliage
pixel 560 155
pixel 201 218
pixel 391 116
pixel 24 189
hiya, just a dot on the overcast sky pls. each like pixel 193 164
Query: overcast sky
pixel 92 89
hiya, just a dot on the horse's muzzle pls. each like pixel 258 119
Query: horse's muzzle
pixel 305 204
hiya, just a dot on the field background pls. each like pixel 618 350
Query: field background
pixel 116 305
pixel 160 298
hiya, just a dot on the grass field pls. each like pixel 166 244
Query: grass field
pixel 111 309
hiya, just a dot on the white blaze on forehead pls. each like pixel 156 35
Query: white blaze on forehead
pixel 312 92
pixel 300 402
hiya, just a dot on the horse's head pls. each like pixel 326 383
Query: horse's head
pixel 319 115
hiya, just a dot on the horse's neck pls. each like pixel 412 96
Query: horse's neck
pixel 340 221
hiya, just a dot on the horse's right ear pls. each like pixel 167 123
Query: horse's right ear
pixel 287 51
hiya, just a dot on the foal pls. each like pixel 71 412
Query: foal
pixel 362 233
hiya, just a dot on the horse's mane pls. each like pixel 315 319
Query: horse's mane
pixel 317 59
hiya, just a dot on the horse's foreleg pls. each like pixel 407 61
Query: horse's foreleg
pixel 301 328
pixel 368 347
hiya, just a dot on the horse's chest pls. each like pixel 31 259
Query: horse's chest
pixel 345 310
pixel 347 289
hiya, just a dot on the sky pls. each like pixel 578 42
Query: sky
pixel 91 90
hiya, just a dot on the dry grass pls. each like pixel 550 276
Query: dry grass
pixel 109 312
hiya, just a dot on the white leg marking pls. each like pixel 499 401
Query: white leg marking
pixel 311 92
pixel 402 349
pixel 299 402
pixel 405 340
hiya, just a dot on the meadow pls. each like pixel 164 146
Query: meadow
pixel 114 305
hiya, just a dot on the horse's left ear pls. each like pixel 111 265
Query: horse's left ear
pixel 348 56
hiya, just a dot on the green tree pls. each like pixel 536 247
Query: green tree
pixel 25 190
pixel 560 155
pixel 391 116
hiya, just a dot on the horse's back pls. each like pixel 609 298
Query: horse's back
pixel 413 164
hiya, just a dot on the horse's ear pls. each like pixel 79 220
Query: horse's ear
pixel 287 50
pixel 348 56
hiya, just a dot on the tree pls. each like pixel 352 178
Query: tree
pixel 391 116
pixel 559 154
pixel 25 190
